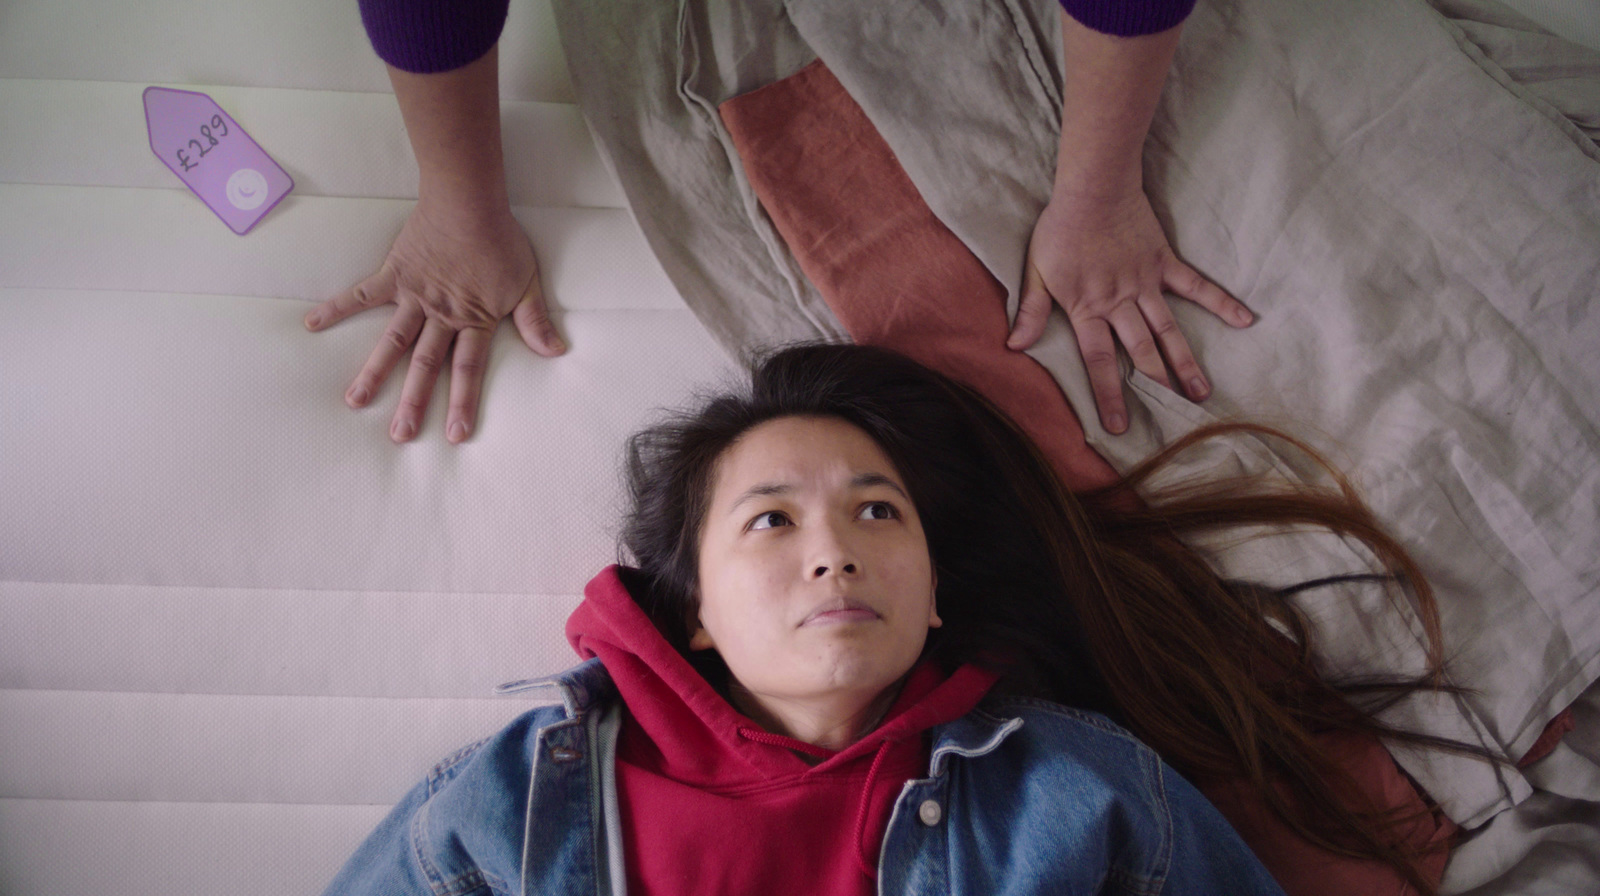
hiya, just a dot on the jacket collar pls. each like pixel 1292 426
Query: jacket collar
pixel 580 687
pixel 975 734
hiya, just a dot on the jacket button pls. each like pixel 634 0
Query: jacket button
pixel 929 812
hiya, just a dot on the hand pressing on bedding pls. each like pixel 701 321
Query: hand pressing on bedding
pixel 1107 263
pixel 1097 248
pixel 460 263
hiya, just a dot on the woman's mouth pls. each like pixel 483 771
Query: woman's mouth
pixel 841 612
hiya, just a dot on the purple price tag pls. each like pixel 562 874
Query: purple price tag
pixel 210 153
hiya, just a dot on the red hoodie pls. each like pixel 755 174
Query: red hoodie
pixel 711 803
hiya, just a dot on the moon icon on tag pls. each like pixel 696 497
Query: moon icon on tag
pixel 247 189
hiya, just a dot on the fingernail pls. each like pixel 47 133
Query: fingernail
pixel 458 431
pixel 1115 423
pixel 359 396
pixel 313 320
pixel 403 430
pixel 1243 316
pixel 1198 388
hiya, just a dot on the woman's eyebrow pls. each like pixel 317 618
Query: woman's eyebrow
pixel 864 480
pixel 860 480
pixel 760 490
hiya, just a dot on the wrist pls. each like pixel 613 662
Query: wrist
pixel 1110 89
pixel 477 215
pixel 1091 185
pixel 462 184
pixel 465 205
pixel 452 120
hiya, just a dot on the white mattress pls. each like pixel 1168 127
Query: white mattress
pixel 236 622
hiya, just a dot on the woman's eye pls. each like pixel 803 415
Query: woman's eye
pixel 878 510
pixel 769 520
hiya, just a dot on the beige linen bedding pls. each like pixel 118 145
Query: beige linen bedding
pixel 1417 232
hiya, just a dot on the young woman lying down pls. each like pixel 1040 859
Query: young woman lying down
pixel 865 642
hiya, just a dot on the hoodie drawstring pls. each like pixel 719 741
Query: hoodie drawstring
pixel 865 808
pixel 788 743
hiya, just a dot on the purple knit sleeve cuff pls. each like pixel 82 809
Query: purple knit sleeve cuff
pixel 1128 18
pixel 426 36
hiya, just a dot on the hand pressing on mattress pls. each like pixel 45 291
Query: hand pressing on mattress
pixel 460 264
pixel 1097 249
pixel 451 281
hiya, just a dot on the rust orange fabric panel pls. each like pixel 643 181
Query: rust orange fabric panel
pixel 1303 869
pixel 894 275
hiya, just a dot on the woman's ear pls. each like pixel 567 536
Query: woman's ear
pixel 699 638
pixel 933 605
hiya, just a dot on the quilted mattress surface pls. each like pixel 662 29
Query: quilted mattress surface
pixel 236 621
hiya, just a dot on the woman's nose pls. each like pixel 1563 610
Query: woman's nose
pixel 832 554
pixel 845 568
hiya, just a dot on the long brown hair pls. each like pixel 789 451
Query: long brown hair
pixel 1203 670
pixel 1088 600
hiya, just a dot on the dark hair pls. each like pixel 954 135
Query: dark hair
pixel 1087 600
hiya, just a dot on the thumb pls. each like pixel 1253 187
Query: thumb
pixel 1032 311
pixel 533 323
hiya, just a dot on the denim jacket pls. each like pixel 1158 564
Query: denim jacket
pixel 1021 796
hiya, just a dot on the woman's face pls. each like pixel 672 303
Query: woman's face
pixel 815 579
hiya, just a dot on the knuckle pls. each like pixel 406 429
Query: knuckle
pixel 1166 327
pixel 428 302
pixel 535 318
pixel 1089 306
pixel 471 366
pixel 396 339
pixel 440 302
pixel 1099 358
pixel 426 361
pixel 535 310
pixel 1141 345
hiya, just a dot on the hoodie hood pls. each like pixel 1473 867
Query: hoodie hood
pixel 686 754
pixel 698 737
